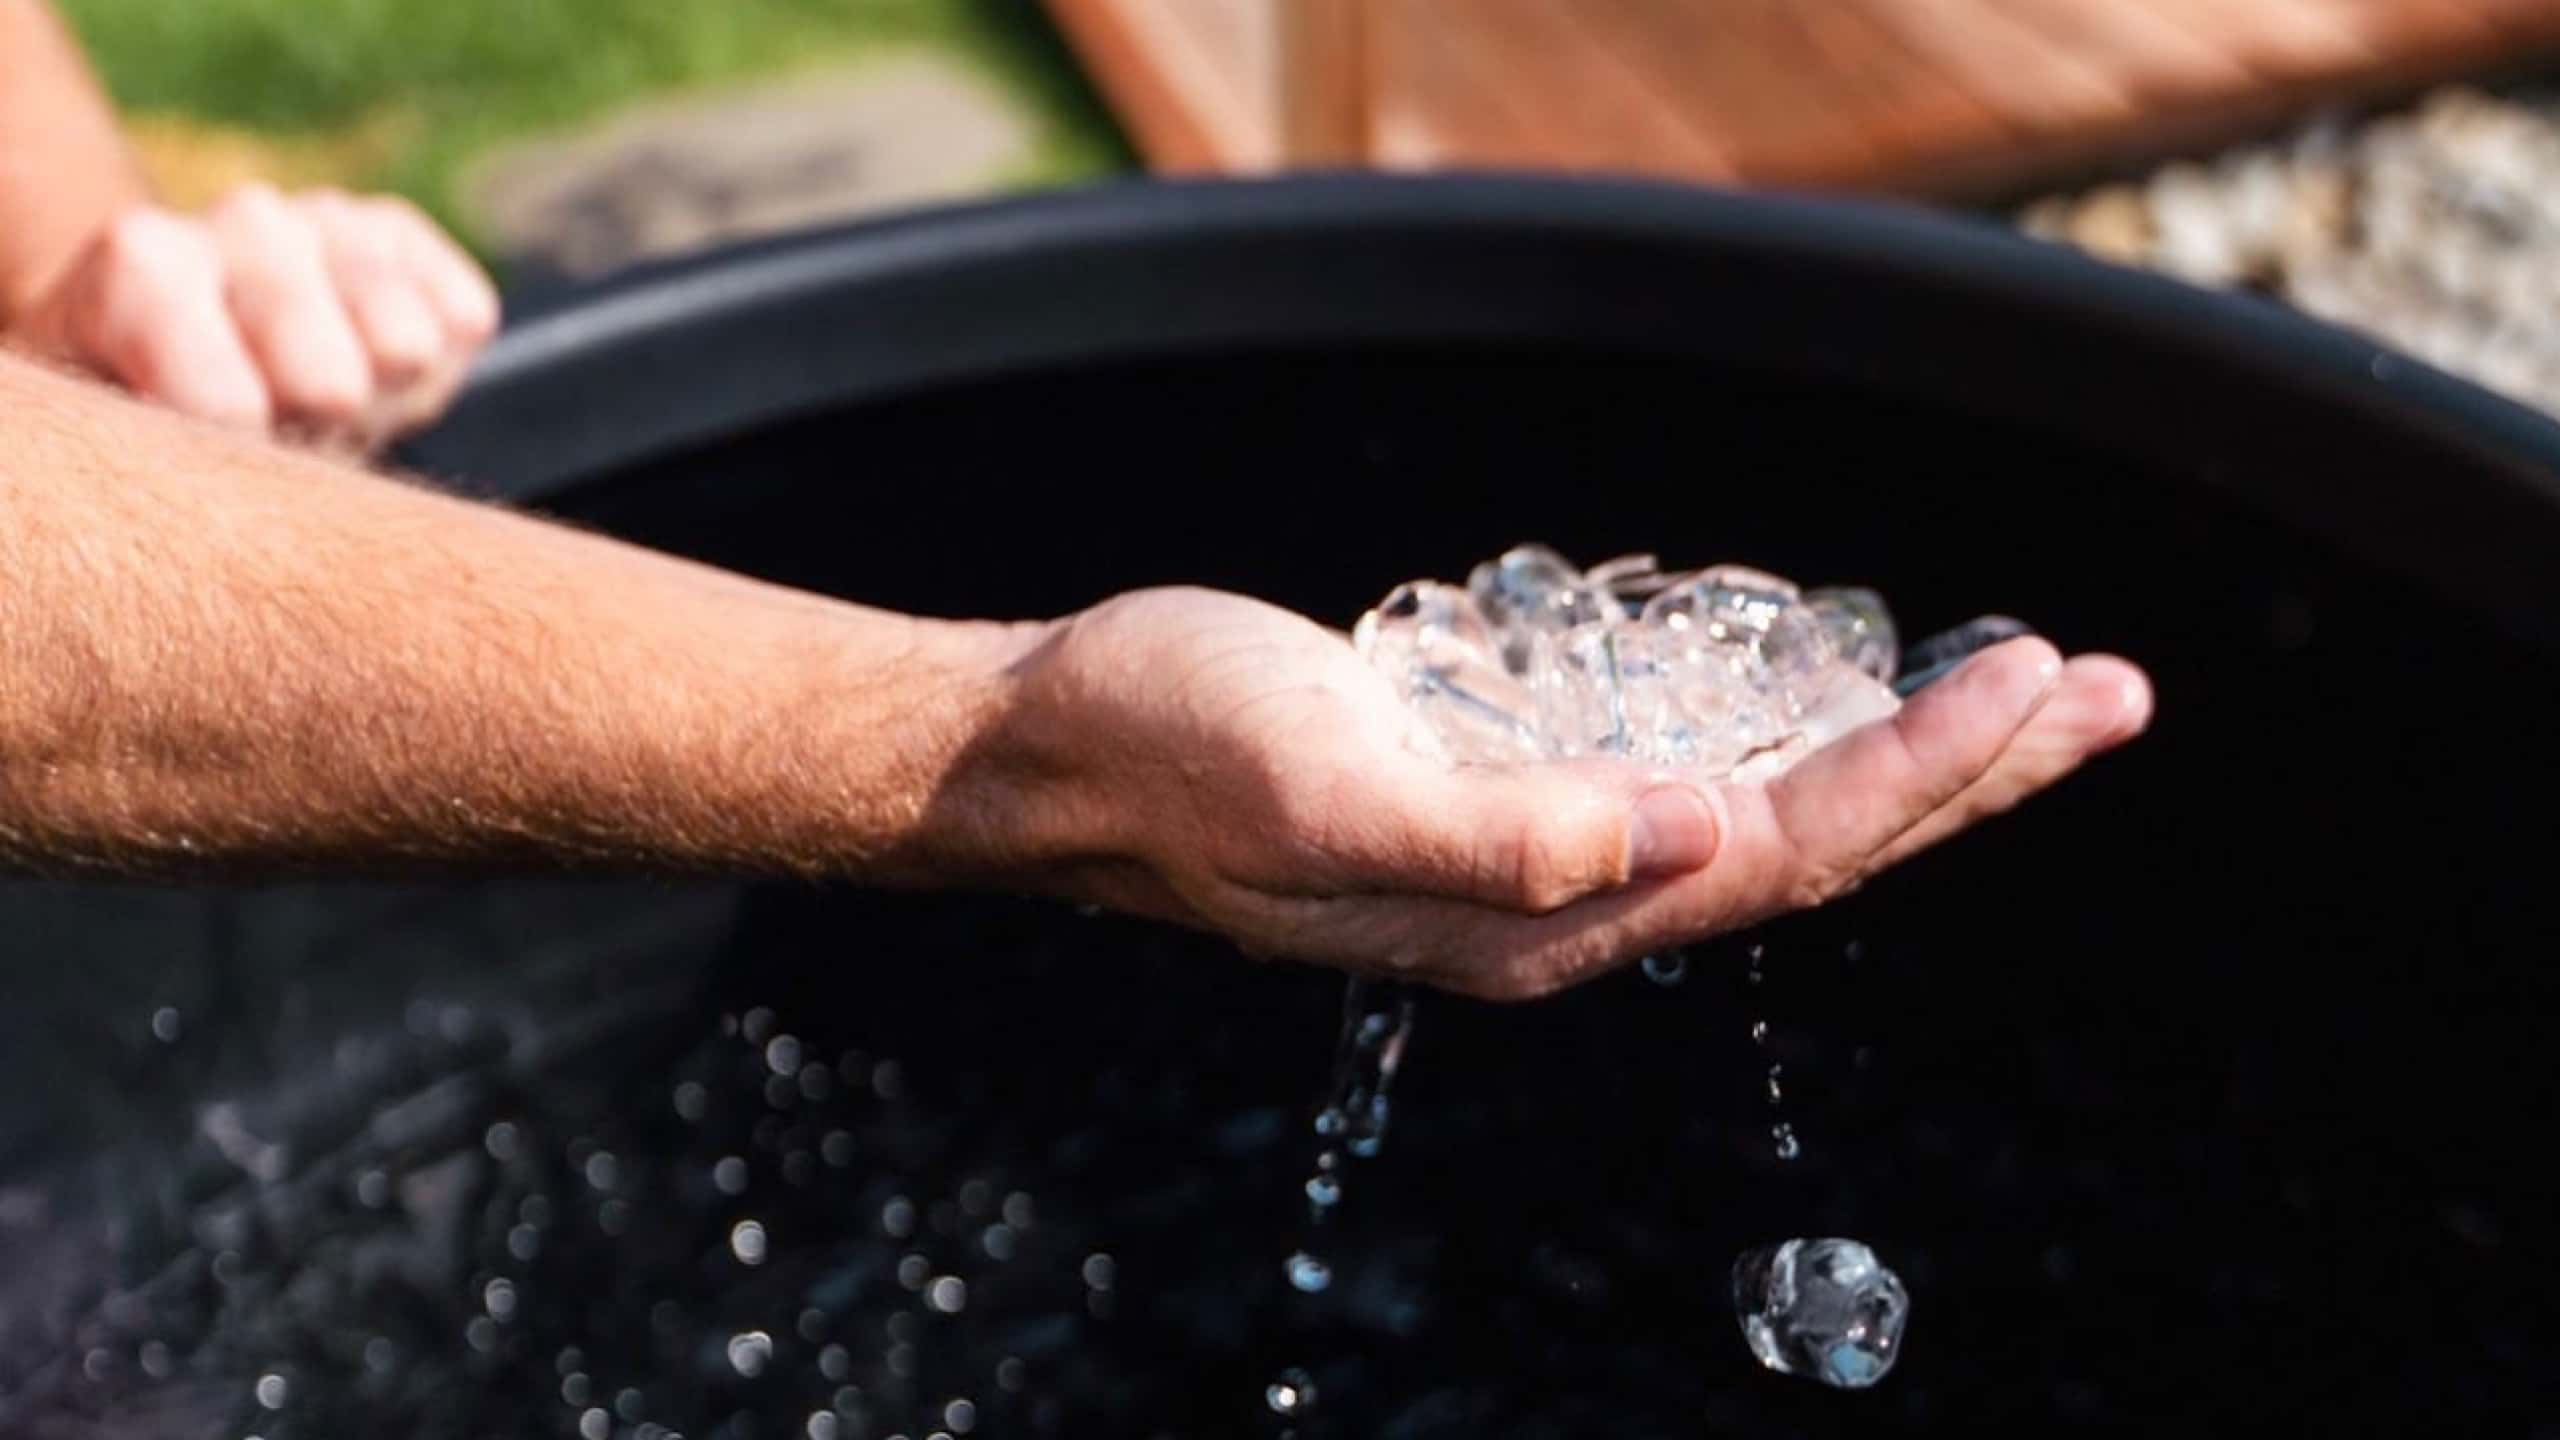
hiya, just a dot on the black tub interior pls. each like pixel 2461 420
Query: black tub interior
pixel 2210 1090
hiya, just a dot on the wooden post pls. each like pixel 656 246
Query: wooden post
pixel 1324 82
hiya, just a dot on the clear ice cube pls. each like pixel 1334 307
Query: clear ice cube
pixel 1433 642
pixel 1827 1310
pixel 1861 629
pixel 1531 588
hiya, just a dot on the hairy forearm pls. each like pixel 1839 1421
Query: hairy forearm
pixel 217 655
pixel 64 167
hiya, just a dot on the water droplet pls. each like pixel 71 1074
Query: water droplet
pixel 998 1242
pixel 481 1334
pixel 499 1298
pixel 603 1171
pixel 156 1360
pixel 1668 967
pixel 380 1355
pixel 914 1271
pixel 1759 1032
pixel 1309 1274
pixel 503 1141
pixel 888 1080
pixel 1776 1093
pixel 373 1189
pixel 1323 1192
pixel 613 1216
pixel 901 1360
pixel 1330 1121
pixel 1017 1210
pixel 1011 1373
pixel 575 1388
pixel 1753 974
pixel 960 1416
pixel 898 1217
pixel 757 1027
pixel 1100 1270
pixel 729 1175
pixel 1783 1138
pixel 165 1024
pixel 628 1404
pixel 836 1363
pixel 948 1294
pixel 823 1425
pixel 812 1324
pixel 524 1242
pixel 749 1351
pixel 535 1210
pixel 594 1424
pixel 977 1197
pixel 782 1055
pixel 570 1359
pixel 836 1149
pixel 272 1391
pixel 692 1102
pixel 96 1364
pixel 1293 1393
pixel 747 1242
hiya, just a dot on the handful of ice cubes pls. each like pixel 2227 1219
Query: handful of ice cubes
pixel 1729 669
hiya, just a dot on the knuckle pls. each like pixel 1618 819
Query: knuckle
pixel 1541 878
pixel 148 241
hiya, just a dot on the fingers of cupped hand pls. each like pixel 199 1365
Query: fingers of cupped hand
pixel 1525 840
pixel 1822 827
pixel 2101 702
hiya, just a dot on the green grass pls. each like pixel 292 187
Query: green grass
pixel 465 74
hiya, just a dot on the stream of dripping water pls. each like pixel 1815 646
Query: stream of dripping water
pixel 1351 1124
pixel 1782 1134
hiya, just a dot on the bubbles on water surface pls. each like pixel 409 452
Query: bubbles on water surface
pixel 1667 967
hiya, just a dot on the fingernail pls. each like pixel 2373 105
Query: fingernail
pixel 1673 833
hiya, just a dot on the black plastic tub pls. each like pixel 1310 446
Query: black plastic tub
pixel 2208 1094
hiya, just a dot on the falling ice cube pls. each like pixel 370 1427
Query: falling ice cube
pixel 1827 1310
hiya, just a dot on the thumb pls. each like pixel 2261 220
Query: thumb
pixel 1535 838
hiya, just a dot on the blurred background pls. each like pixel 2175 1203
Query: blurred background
pixel 2393 165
